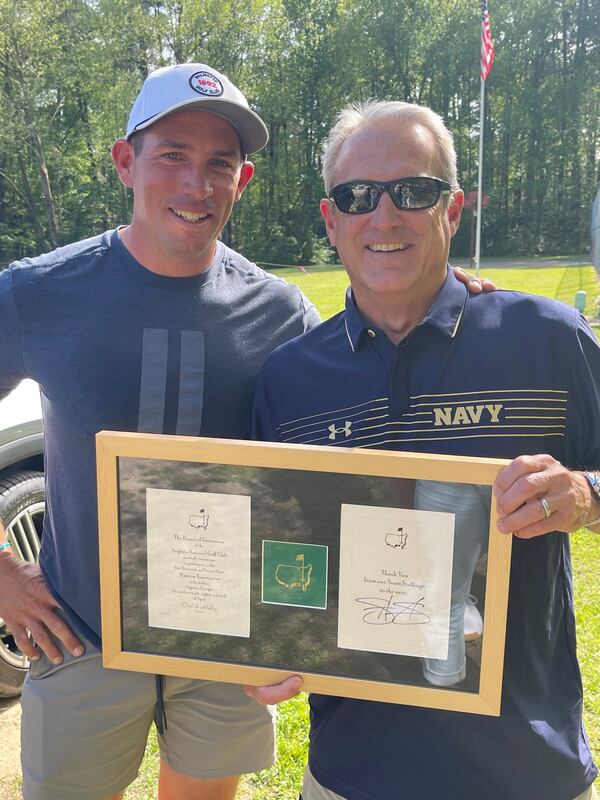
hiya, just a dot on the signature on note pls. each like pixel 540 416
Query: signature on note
pixel 378 611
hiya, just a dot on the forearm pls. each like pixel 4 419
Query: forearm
pixel 5 545
pixel 6 549
pixel 592 522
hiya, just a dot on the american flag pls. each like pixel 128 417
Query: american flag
pixel 487 45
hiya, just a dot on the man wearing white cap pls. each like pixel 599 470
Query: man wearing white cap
pixel 155 327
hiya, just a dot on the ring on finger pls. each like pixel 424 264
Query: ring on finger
pixel 545 506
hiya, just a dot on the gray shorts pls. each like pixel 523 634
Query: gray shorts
pixel 312 790
pixel 84 728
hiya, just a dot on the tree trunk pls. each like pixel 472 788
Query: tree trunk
pixel 38 149
pixel 29 199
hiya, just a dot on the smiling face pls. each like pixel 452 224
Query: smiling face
pixel 185 179
pixel 393 258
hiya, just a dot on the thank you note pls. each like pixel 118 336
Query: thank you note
pixel 395 580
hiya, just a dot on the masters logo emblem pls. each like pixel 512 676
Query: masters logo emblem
pixel 199 520
pixel 206 83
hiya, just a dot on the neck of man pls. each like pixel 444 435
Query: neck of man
pixel 396 315
pixel 182 265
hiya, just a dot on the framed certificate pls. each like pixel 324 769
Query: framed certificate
pixel 373 574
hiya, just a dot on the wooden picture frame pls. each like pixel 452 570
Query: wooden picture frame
pixel 146 483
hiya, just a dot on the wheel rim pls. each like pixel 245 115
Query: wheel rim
pixel 25 530
pixel 9 651
pixel 24 534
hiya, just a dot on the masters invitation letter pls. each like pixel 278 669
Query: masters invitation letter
pixel 198 561
pixel 395 580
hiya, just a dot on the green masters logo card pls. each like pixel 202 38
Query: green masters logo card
pixel 294 574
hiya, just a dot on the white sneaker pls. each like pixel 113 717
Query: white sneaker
pixel 473 620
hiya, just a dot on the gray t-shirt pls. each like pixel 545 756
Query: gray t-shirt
pixel 114 346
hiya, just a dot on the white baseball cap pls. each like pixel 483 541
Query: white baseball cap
pixel 196 86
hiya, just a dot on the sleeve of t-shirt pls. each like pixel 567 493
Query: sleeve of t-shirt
pixel 583 417
pixel 264 421
pixel 311 315
pixel 12 371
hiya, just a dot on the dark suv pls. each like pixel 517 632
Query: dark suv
pixel 21 503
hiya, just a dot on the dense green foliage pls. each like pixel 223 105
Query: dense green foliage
pixel 69 70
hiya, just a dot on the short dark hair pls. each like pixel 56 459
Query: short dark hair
pixel 137 141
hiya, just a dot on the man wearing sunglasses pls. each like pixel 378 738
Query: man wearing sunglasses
pixel 161 328
pixel 414 363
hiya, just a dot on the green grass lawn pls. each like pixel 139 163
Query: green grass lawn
pixel 326 286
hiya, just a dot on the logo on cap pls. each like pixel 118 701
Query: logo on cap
pixel 206 83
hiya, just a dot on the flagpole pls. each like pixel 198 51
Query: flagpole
pixel 480 176
pixel 487 58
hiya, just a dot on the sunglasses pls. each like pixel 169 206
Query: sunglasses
pixel 408 194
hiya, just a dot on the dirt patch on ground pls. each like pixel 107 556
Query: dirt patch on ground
pixel 10 745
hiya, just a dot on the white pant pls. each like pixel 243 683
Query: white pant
pixel 470 505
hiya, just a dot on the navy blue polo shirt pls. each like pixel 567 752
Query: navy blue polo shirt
pixel 499 375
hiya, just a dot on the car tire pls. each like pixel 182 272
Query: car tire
pixel 22 513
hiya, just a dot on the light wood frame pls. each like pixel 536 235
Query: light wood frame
pixel 111 446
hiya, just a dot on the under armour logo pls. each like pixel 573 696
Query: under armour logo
pixel 346 430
